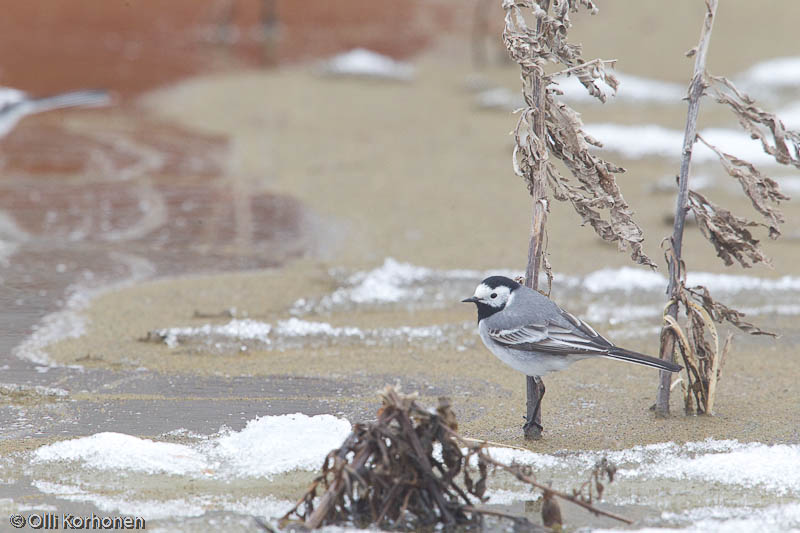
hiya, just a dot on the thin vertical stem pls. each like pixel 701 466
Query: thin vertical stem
pixel 533 384
pixel 696 89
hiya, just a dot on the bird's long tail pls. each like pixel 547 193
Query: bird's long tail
pixel 634 357
pixel 91 97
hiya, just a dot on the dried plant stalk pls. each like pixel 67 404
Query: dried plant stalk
pixel 548 126
pixel 696 88
pixel 729 234
pixel 563 134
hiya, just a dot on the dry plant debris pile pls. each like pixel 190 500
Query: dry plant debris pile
pixel 411 469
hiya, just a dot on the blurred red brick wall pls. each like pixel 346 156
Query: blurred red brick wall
pixel 133 45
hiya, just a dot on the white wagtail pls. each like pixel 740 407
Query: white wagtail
pixel 529 332
pixel 16 104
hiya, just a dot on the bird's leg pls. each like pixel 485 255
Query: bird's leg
pixel 533 422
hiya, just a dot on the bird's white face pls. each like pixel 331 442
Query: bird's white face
pixel 497 297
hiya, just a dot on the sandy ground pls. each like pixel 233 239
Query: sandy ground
pixel 426 199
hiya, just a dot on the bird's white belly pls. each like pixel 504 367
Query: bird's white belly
pixel 529 363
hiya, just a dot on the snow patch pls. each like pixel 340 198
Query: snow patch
pixel 623 279
pixel 742 519
pixel 499 98
pixel 509 497
pixel 236 329
pixel 274 444
pixel 633 89
pixel 631 279
pixel 197 505
pixel 789 184
pixel 117 451
pixel 394 282
pixel 387 283
pixel 775 468
pixel 291 331
pixel 365 63
pixel 780 72
pixel 40 390
pixel 294 327
pixel 645 140
pixel 267 446
pixel 790 116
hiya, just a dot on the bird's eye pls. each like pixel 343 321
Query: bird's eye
pixel 494 295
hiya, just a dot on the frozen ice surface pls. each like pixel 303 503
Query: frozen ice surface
pixel 774 468
pixel 365 63
pixel 124 504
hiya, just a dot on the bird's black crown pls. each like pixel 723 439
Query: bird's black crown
pixel 501 281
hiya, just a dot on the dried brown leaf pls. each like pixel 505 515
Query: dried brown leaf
pixel 777 141
pixel 721 313
pixel 598 188
pixel 727 232
pixel 764 193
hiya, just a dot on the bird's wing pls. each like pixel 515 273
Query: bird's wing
pixel 556 339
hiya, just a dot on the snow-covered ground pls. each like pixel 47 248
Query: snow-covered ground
pixel 754 484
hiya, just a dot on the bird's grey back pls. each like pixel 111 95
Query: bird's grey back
pixel 526 307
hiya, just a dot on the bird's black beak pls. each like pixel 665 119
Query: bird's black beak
pixel 470 300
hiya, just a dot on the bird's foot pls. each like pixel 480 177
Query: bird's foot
pixel 532 430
